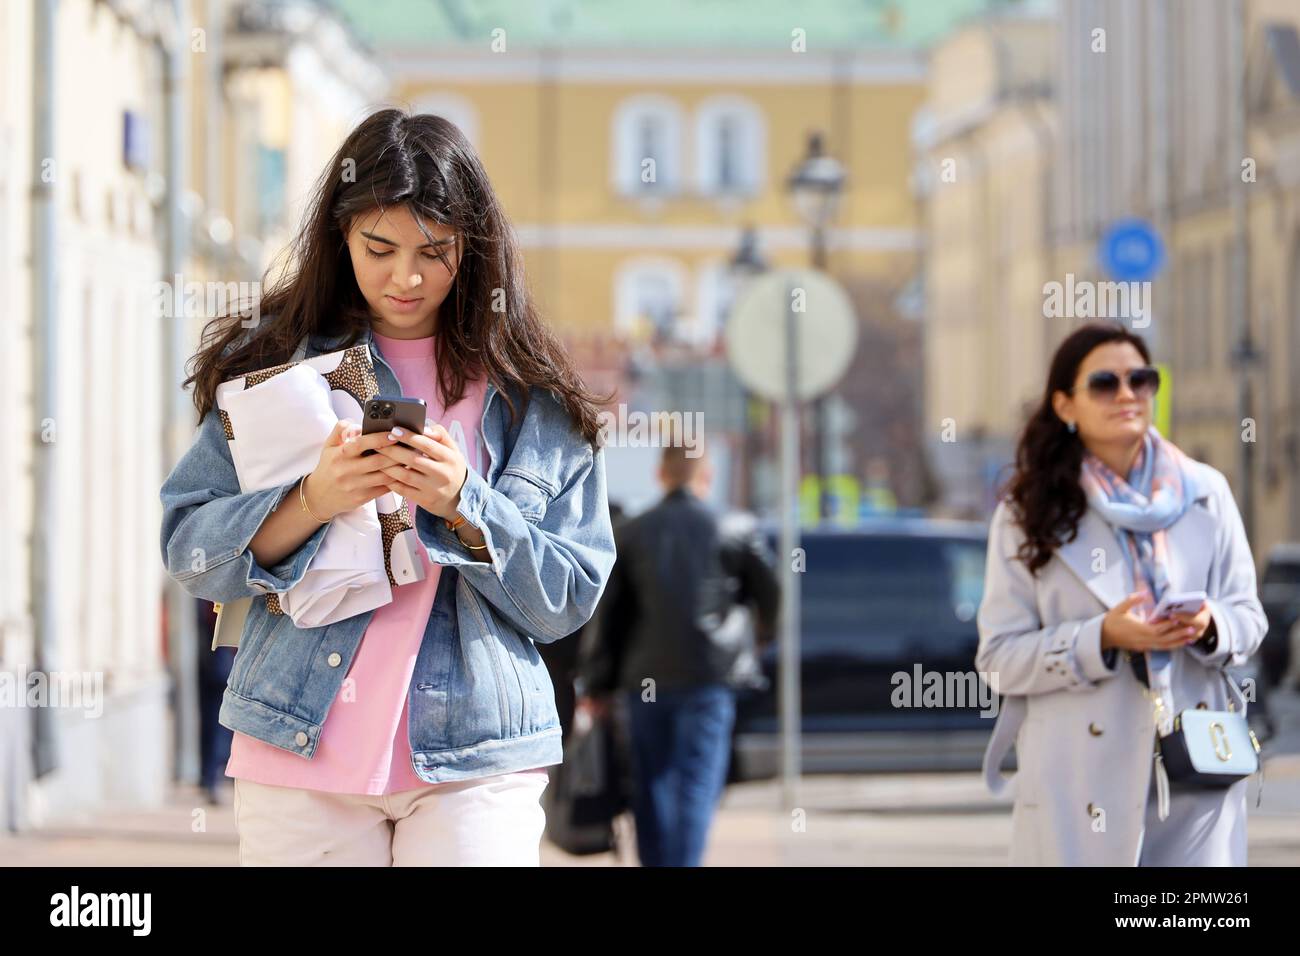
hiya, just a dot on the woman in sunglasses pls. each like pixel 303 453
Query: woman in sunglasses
pixel 1102 517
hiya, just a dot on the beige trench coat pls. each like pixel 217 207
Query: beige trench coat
pixel 1083 732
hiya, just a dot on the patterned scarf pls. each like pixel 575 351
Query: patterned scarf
pixel 1159 488
pixel 1140 509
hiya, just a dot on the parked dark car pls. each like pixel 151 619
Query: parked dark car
pixel 890 597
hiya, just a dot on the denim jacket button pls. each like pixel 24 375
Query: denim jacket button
pixel 300 739
pixel 335 659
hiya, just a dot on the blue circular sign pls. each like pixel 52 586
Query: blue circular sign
pixel 1131 251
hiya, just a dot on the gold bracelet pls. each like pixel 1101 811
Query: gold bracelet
pixel 472 547
pixel 302 499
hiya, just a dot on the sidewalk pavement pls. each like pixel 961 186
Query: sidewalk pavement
pixel 942 819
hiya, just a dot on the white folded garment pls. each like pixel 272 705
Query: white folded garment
pixel 282 423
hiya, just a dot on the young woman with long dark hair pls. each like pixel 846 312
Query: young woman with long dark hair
pixel 1103 517
pixel 417 733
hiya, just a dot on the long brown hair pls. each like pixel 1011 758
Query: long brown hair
pixel 1044 492
pixel 425 163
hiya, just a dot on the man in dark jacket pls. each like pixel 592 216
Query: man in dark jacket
pixel 672 637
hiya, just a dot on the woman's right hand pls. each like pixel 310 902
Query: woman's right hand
pixel 597 707
pixel 344 478
pixel 1122 627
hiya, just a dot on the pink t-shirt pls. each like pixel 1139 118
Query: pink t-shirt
pixel 363 746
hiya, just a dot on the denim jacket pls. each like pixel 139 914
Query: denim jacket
pixel 480 700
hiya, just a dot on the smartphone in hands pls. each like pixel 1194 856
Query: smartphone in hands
pixel 385 412
pixel 1187 602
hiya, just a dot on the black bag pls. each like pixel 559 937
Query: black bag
pixel 1211 748
pixel 1206 749
pixel 586 792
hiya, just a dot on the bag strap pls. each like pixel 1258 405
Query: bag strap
pixel 1234 690
pixel 1161 690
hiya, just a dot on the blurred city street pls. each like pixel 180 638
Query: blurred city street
pixel 931 819
pixel 986 311
pixel 885 820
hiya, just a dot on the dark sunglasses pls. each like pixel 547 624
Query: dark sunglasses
pixel 1144 382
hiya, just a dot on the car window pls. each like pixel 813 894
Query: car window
pixel 891 584
pixel 1282 572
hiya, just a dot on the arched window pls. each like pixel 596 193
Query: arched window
pixel 649 298
pixel 647 146
pixel 730 147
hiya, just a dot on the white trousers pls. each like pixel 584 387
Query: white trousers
pixel 487 821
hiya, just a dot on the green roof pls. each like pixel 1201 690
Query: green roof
pixel 660 24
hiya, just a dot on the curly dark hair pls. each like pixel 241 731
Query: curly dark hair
pixel 1044 492
pixel 425 163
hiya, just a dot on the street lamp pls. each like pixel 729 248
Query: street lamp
pixel 815 188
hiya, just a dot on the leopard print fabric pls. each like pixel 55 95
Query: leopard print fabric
pixel 356 376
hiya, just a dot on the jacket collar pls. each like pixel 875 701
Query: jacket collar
pixel 1094 555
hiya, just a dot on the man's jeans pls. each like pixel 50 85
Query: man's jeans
pixel 681 745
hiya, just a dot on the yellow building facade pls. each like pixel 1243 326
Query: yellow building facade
pixel 1057 131
pixel 563 138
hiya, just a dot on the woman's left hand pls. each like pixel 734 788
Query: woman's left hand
pixel 1199 621
pixel 427 470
